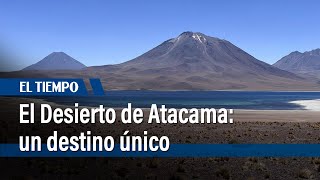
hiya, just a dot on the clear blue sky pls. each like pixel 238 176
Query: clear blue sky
pixel 109 32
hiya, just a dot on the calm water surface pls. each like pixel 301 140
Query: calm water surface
pixel 197 99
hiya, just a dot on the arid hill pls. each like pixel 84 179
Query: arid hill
pixel 307 63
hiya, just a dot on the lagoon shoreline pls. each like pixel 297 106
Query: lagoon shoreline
pixel 311 105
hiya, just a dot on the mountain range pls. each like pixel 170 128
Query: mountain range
pixel 307 63
pixel 190 61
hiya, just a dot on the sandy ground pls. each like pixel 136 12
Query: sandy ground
pixel 276 116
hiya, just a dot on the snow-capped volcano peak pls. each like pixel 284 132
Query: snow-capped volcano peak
pixel 198 37
pixel 186 35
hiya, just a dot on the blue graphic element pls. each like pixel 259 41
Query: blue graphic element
pixel 97 87
pixel 47 87
pixel 183 150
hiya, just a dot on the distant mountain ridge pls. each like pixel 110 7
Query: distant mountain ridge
pixel 297 61
pixel 56 61
pixel 303 63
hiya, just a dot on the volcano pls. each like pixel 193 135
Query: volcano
pixel 195 61
pixel 195 52
pixel 56 61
